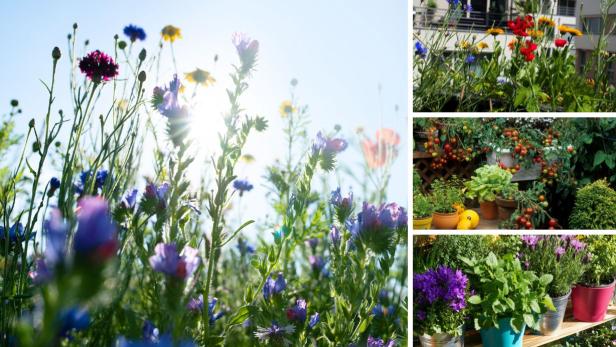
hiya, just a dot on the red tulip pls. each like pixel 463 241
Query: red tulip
pixel 560 42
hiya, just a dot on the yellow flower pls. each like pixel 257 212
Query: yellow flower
pixel 569 30
pixel 286 108
pixel 200 77
pixel 464 44
pixel 247 158
pixel 495 31
pixel 482 45
pixel 171 33
pixel 543 20
pixel 535 33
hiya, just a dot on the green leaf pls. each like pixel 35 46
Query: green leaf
pixel 242 314
pixel 491 260
pixel 545 279
pixel 529 319
pixel 534 305
pixel 475 300
pixel 599 158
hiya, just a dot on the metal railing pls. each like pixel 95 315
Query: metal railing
pixel 426 17
pixel 565 11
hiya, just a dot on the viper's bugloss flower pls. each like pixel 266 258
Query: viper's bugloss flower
pixel 343 206
pixel 157 195
pixel 196 305
pixel 201 77
pixel 312 243
pixel 380 311
pixel 297 313
pixel 244 247
pixel 314 320
pixel 165 99
pixel 96 236
pixel 383 150
pixel 333 145
pixel 41 273
pixel 247 49
pixel 129 201
pixel 421 50
pixel 167 260
pixel 73 319
pixel 98 66
pixel 275 335
pixel 376 227
pixel 274 287
pixel 242 186
pixel 134 33
pixel 334 236
pixel 100 179
pixel 55 230
pixel 316 262
pixel 171 33
pixel 376 342
pixel 16 233
pixel 286 108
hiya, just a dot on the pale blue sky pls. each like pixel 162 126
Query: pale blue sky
pixel 340 51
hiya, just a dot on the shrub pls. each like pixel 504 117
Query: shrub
pixel 595 207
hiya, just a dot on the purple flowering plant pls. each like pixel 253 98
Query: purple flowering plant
pixel 439 301
pixel 556 255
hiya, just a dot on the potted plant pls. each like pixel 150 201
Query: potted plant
pixel 439 306
pixel 506 199
pixel 595 207
pixel 422 212
pixel 562 258
pixel 591 297
pixel 485 185
pixel 508 298
pixel 445 197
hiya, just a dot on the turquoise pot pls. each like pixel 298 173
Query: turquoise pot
pixel 502 337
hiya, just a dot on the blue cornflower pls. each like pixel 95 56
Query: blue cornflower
pixel 134 32
pixel 54 183
pixel 273 287
pixel 314 320
pixel 101 177
pixel 242 186
pixel 470 59
pixel 96 232
pixel 420 49
pixel 73 319
pixel 297 313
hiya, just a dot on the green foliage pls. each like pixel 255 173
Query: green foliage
pixel 447 250
pixel 488 182
pixel 603 335
pixel 602 267
pixel 422 206
pixel 446 193
pixel 595 207
pixel 505 290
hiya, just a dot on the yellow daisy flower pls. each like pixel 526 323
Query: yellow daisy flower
pixel 286 108
pixel 464 44
pixel 543 20
pixel 535 33
pixel 495 31
pixel 482 45
pixel 171 33
pixel 564 29
pixel 199 76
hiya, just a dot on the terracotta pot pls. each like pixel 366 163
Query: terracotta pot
pixel 445 220
pixel 422 224
pixel 506 207
pixel 488 210
pixel 590 303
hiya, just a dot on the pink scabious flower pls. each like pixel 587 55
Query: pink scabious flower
pixel 98 66
pixel 167 260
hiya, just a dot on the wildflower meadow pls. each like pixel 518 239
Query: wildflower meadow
pixel 97 250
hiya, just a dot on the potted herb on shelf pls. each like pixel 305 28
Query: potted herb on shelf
pixel 422 212
pixel 508 299
pixel 447 199
pixel 506 199
pixel 439 306
pixel 562 257
pixel 592 296
pixel 485 185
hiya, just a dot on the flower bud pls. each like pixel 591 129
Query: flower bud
pixel 141 76
pixel 55 53
pixel 87 42
pixel 142 54
pixel 36 146
pixel 74 25
pixel 115 37
pixel 122 44
pixel 14 103
pixel 31 123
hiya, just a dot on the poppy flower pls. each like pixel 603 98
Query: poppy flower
pixel 560 42
pixel 521 25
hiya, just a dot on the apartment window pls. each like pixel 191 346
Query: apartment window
pixel 566 8
pixel 592 25
pixel 582 60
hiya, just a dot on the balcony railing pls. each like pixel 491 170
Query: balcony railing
pixel 565 11
pixel 434 17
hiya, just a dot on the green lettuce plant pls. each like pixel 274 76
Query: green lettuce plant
pixel 487 183
pixel 505 290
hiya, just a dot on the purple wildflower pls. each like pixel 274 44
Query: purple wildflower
pixel 329 145
pixel 530 240
pixel 167 260
pixel 559 252
pixel 441 284
pixel 577 244
pixel 421 315
pixel 134 33
pixel 298 312
pixel 98 67
pixel 16 233
pixel 247 49
pixel 73 319
pixel 244 247
pixel 95 231
pixel 166 100
pixel 273 287
pixel 314 320
pixel 334 236
pixel 342 205
pixel 275 335
pixel 317 263
pixel 312 243
pixel 242 186
pixel 157 193
pixel 196 305
pixel 376 226
pixel 129 201
pixel 376 342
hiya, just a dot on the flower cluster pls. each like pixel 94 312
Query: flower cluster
pixel 376 226
pixel 442 284
pixel 273 287
pixel 98 67
pixel 247 49
pixel 528 49
pixel 520 25
pixel 167 260
pixel 99 181
pixel 343 206
pixel 165 99
pixel 196 305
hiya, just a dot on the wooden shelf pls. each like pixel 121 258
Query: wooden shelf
pixel 568 328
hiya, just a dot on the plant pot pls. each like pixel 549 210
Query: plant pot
pixel 506 207
pixel 422 223
pixel 488 209
pixel 506 157
pixel 443 340
pixel 445 220
pixel 550 322
pixel 503 336
pixel 590 303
